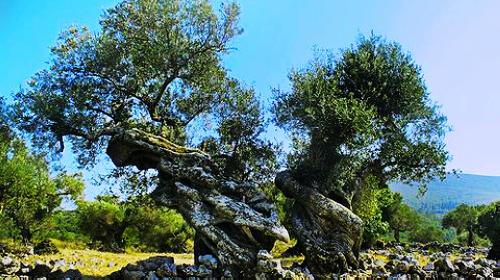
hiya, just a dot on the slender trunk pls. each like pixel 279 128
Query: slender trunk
pixel 26 235
pixel 470 241
pixel 396 234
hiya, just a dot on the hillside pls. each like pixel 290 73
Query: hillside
pixel 447 195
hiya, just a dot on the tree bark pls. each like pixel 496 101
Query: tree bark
pixel 470 239
pixel 328 233
pixel 396 234
pixel 494 252
pixel 233 220
pixel 26 235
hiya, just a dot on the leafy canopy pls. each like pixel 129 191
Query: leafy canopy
pixel 28 193
pixel 366 112
pixel 156 66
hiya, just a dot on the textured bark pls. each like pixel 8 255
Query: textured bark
pixel 233 220
pixel 494 252
pixel 328 233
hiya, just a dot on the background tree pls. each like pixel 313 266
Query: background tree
pixel 463 218
pixel 489 226
pixel 112 225
pixel 365 114
pixel 28 193
pixel 142 89
pixel 402 219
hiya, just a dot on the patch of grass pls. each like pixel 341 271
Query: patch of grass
pixel 96 263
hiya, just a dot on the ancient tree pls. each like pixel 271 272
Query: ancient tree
pixel 142 90
pixel 489 226
pixel 358 121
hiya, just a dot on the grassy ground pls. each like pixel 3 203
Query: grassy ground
pixel 95 263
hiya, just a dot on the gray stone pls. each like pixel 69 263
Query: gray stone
pixel 264 255
pixel 167 270
pixel 133 275
pixel 134 267
pixel 209 261
pixel 429 266
pixel 403 267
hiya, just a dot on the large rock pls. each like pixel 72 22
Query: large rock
pixel 9 265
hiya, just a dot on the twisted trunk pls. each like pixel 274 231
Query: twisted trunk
pixel 328 233
pixel 233 220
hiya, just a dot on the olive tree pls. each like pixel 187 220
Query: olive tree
pixel 463 218
pixel 489 226
pixel 361 119
pixel 138 90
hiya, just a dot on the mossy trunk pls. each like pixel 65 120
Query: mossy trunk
pixel 327 232
pixel 233 220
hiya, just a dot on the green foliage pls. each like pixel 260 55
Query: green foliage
pixel 366 113
pixel 28 193
pixel 427 230
pixel 113 225
pixel 369 204
pixel 427 234
pixel 463 218
pixel 489 223
pixel 401 217
pixel 155 66
pixel 444 196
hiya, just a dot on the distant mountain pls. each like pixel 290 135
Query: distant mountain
pixel 442 197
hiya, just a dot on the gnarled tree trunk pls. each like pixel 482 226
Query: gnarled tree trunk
pixel 233 220
pixel 328 233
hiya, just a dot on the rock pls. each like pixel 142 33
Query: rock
pixel 133 275
pixel 72 274
pixel 154 263
pixel 485 272
pixel 9 265
pixel 25 269
pixel 482 262
pixel 264 255
pixel 167 270
pixel 211 263
pixel 403 267
pixel 444 265
pixel 45 247
pixel 40 270
pixel 464 265
pixel 429 266
pixel 134 267
pixel 379 244
pixel 269 265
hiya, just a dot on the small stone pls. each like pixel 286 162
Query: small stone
pixel 209 261
pixel 403 267
pixel 7 261
pixel 167 270
pixel 429 266
pixel 134 267
pixel 133 275
pixel 264 255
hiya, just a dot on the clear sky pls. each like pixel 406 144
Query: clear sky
pixel 455 41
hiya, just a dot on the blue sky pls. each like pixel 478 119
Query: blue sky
pixel 455 41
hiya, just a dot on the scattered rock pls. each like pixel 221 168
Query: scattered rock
pixel 45 247
pixel 210 262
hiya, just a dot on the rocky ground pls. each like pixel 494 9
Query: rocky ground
pixel 395 261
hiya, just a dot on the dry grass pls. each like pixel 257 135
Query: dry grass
pixel 95 263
